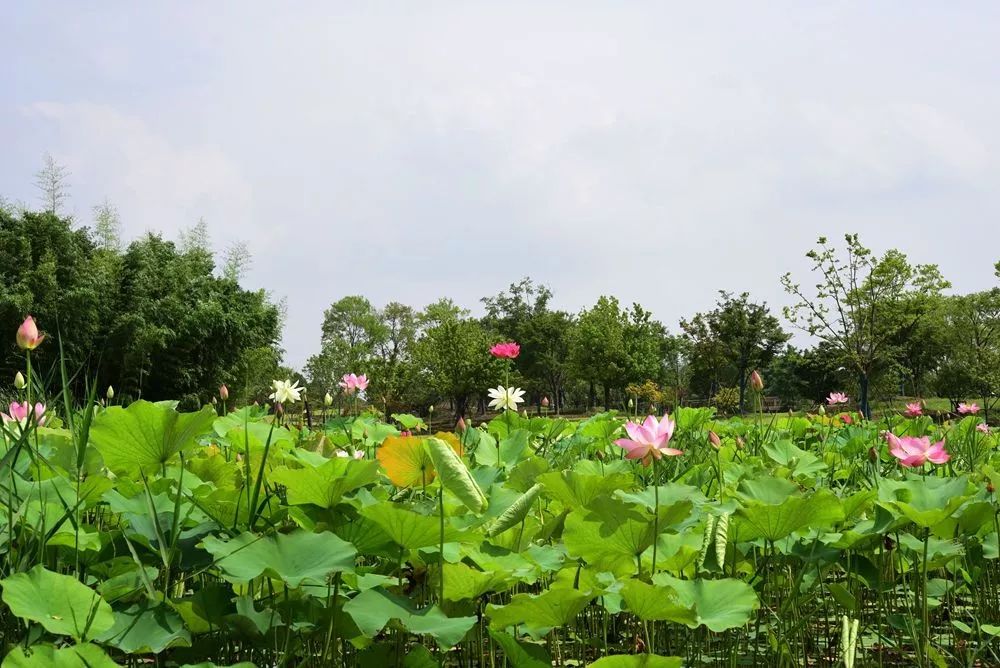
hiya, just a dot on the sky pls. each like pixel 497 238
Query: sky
pixel 658 152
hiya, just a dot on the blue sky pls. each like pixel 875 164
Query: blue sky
pixel 407 151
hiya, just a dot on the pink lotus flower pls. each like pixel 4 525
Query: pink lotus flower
pixel 836 398
pixel 507 351
pixel 968 409
pixel 28 337
pixel 20 412
pixel 648 441
pixel 352 383
pixel 846 418
pixel 912 451
pixel 983 428
pixel 914 409
pixel 756 382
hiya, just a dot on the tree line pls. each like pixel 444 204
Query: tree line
pixel 878 327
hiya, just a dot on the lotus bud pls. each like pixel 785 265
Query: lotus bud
pixel 460 425
pixel 430 409
pixel 756 382
pixel 714 439
pixel 405 433
pixel 631 404
pixel 19 381
pixel 28 337
pixel 822 409
pixel 888 543
pixel 524 413
pixel 279 408
pixel 110 394
pixel 545 402
pixel 224 392
pixel 327 399
pixel 739 442
pixel 990 488
pixel 600 455
pixel 214 401
pixel 873 454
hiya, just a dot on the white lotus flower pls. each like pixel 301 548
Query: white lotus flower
pixel 285 391
pixel 506 398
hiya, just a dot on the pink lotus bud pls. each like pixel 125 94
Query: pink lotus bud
pixel 223 392
pixel 545 402
pixel 756 382
pixel 714 439
pixel 405 433
pixel 460 425
pixel 28 337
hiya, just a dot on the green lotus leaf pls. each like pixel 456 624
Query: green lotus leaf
pixel 793 513
pixel 718 604
pixel 462 582
pixel 325 485
pixel 800 462
pixel 296 558
pixel 142 629
pixel 575 490
pixel 47 656
pixel 516 512
pixel 60 603
pixel 145 436
pixel 548 610
pixel 513 449
pixel 454 474
pixel 409 529
pixel 613 534
pixel 522 654
pixel 924 501
pixel 371 610
pixel 656 603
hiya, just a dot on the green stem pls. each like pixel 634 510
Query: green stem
pixel 656 515
pixel 441 546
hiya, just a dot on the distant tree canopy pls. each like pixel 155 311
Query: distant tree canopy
pixel 152 320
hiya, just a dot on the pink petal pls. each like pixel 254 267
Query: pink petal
pixel 915 460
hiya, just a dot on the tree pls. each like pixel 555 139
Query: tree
pixel 739 333
pixel 453 353
pixel 391 364
pixel 522 314
pixel 237 261
pixel 857 304
pixel 107 226
pixel 970 365
pixel 52 181
pixel 196 239
pixel 597 348
pixel 351 330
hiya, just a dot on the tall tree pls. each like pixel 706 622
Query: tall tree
pixel 857 302
pixel 741 333
pixel 522 314
pixel 52 180
pixel 237 261
pixel 597 348
pixel 107 226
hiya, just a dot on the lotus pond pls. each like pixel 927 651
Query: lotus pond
pixel 141 535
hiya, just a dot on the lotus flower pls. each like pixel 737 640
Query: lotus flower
pixel 358 454
pixel 460 425
pixel 913 451
pixel 915 409
pixel 846 418
pixel 648 441
pixel 507 351
pixel 223 392
pixel 714 439
pixel 968 409
pixel 352 383
pixel 506 398
pixel 285 391
pixel 28 337
pixel 756 382
pixel 545 402
pixel 983 428
pixel 19 414
pixel 837 398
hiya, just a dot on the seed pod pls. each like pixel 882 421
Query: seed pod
pixel 455 476
pixel 721 538
pixel 706 541
pixel 517 511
